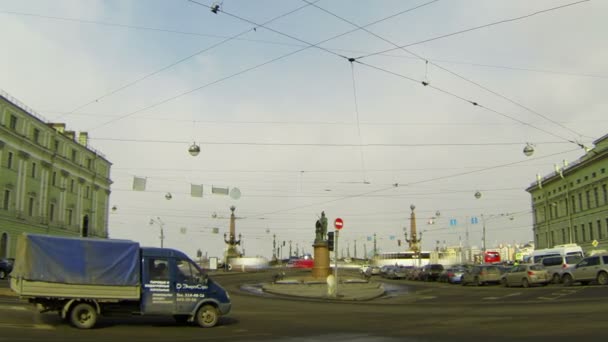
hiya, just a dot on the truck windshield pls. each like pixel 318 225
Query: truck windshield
pixel 187 272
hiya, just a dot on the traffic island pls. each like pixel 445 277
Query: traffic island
pixel 348 290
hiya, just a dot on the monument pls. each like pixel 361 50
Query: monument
pixel 321 250
pixel 233 258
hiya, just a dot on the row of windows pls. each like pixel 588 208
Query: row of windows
pixel 581 233
pixel 578 202
pixel 31 207
pixel 33 173
pixel 578 181
pixel 56 144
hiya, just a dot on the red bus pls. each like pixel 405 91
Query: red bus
pixel 491 257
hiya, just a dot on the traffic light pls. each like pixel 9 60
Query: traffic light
pixel 330 241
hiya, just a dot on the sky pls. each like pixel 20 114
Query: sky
pixel 356 108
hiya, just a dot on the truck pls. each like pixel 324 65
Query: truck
pixel 83 279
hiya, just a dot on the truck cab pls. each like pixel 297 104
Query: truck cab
pixel 174 285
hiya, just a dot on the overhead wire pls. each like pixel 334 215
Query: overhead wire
pixel 169 66
pixel 257 66
pixel 458 75
pixel 397 185
pixel 472 102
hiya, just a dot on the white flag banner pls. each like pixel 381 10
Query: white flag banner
pixel 219 191
pixel 196 190
pixel 139 183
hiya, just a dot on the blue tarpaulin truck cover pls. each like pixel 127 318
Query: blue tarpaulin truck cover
pixel 72 260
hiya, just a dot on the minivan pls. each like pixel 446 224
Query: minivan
pixel 556 265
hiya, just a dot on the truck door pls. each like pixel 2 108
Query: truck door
pixel 158 292
pixel 190 286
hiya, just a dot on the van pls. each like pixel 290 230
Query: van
pixel 556 265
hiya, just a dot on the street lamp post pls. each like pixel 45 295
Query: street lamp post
pixel 560 172
pixel 161 224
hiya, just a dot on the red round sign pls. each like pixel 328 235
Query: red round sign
pixel 338 223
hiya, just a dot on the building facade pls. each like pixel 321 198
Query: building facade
pixel 570 205
pixel 50 181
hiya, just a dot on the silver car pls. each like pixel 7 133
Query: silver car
pixel 587 270
pixel 526 276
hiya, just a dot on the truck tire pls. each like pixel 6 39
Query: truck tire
pixel 2 274
pixel 207 316
pixel 83 316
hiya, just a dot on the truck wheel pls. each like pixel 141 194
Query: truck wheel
pixel 83 316
pixel 525 283
pixel 207 316
pixel 602 278
pixel 2 274
pixel 555 278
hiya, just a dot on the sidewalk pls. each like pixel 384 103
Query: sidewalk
pixel 353 290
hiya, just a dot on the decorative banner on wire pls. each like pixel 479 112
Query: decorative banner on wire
pixel 139 183
pixel 391 237
pixel 474 220
pixel 453 222
pixel 369 238
pixel 196 190
pixel 215 230
pixel 219 191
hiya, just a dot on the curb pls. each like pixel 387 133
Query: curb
pixel 6 292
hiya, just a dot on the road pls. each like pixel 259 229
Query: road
pixel 413 311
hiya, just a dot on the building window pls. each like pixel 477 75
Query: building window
pixel 596 197
pixel 9 162
pixel 7 199
pixel 584 232
pixel 54 178
pixel 52 212
pixel 552 238
pixel 563 235
pixel 588 198
pixel 593 175
pixel 36 135
pixel 13 122
pixel 74 156
pixel 69 216
pixel 30 207
pixel 605 190
pixel 33 170
pixel 87 192
pixel 586 178
pixel 56 146
pixel 603 170
pixel 599 230
pixel 573 205
pixel 580 202
pixel 575 234
pixel 89 163
pixel 591 231
pixel 72 185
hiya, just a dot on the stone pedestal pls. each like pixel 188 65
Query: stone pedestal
pixel 321 268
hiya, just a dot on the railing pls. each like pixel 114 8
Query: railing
pixel 35 114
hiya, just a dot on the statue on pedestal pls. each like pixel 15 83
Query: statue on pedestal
pixel 321 228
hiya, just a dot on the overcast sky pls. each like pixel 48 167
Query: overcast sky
pixel 298 128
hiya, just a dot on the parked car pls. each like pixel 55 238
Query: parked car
pixel 526 275
pixel 587 270
pixel 402 272
pixel 481 275
pixel 453 274
pixel 431 272
pixel 6 266
pixel 556 265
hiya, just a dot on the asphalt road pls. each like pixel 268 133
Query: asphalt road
pixel 412 311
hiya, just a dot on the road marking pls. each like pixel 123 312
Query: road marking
pixel 18 308
pixel 502 297
pixel 426 297
pixel 560 294
pixel 30 326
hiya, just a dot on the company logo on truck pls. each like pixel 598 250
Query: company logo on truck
pixel 190 287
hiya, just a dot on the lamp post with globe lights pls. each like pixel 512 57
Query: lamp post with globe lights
pixel 161 224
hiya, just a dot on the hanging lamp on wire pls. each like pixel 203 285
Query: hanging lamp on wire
pixel 194 149
pixel 529 149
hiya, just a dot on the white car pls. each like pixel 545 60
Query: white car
pixel 592 268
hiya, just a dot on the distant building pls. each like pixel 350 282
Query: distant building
pixel 570 205
pixel 50 181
